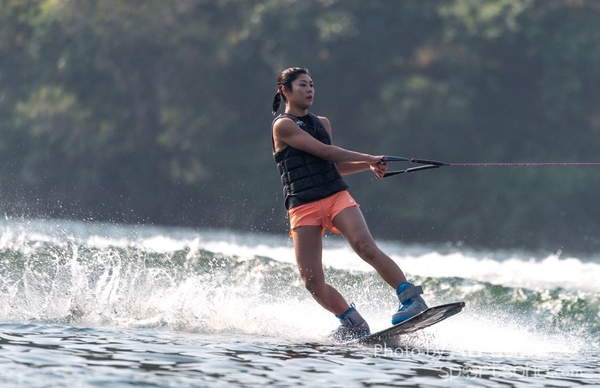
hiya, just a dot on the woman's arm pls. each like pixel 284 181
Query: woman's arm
pixel 287 133
pixel 346 168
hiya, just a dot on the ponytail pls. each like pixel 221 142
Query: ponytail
pixel 276 102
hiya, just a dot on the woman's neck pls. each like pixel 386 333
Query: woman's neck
pixel 296 112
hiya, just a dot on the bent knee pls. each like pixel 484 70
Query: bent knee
pixel 311 282
pixel 367 250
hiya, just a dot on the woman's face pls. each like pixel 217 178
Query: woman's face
pixel 303 92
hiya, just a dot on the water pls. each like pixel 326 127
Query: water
pixel 102 305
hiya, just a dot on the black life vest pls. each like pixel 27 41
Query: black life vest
pixel 305 177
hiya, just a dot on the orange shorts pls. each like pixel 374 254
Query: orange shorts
pixel 322 212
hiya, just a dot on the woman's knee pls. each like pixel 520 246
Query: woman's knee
pixel 366 249
pixel 311 281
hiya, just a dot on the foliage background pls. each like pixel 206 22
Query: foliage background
pixel 157 111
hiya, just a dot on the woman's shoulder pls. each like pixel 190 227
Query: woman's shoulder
pixel 284 119
pixel 324 120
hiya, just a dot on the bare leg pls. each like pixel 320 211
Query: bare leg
pixel 308 246
pixel 351 223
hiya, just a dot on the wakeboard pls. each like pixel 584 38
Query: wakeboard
pixel 424 319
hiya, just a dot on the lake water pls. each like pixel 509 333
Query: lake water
pixel 104 305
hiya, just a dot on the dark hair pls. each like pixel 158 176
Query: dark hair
pixel 285 79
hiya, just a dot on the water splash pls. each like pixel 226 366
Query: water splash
pixel 137 277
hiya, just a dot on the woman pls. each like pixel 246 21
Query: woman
pixel 316 198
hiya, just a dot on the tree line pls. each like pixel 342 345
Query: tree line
pixel 157 111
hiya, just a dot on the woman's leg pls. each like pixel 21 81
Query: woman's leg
pixel 351 223
pixel 308 246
